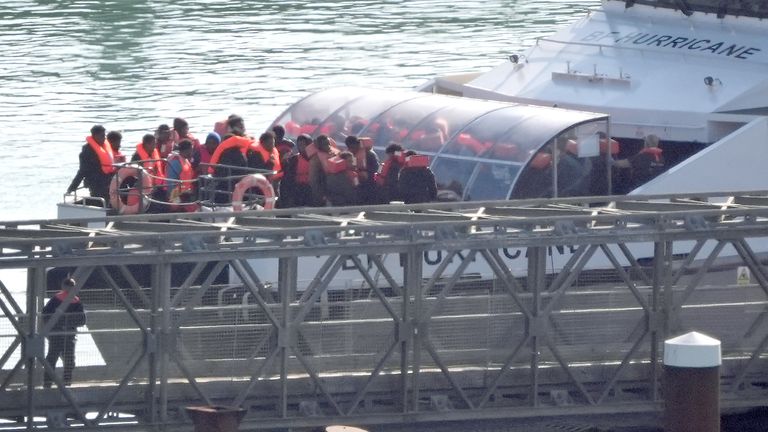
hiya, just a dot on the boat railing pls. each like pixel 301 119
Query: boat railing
pixel 76 197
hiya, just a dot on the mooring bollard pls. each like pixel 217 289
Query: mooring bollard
pixel 210 418
pixel 692 383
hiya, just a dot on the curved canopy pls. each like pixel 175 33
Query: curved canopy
pixel 480 150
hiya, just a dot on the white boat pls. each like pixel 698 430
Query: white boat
pixel 695 77
pixel 691 72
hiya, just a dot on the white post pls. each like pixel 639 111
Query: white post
pixel 692 383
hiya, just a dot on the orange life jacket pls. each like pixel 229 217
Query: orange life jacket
pixel 652 151
pixel 61 295
pixel 274 156
pixel 302 170
pixel 105 154
pixel 381 178
pixel 323 157
pixel 242 143
pixel 187 173
pixel 154 167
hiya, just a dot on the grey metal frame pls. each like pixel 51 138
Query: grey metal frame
pixel 287 382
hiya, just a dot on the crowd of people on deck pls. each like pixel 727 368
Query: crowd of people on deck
pixel 310 172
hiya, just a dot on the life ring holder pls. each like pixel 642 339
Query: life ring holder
pixel 134 201
pixel 252 181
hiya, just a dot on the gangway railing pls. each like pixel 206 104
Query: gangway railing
pixel 442 311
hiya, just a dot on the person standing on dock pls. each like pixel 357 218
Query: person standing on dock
pixel 96 165
pixel 63 334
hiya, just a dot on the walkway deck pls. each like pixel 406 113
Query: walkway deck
pixel 388 314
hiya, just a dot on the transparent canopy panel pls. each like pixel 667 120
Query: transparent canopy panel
pixel 479 150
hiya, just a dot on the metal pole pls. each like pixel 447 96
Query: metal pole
pixel 659 257
pixel 287 284
pixel 414 288
pixel 164 270
pixel 537 258
pixel 35 289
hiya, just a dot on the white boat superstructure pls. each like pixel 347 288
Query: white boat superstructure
pixel 692 73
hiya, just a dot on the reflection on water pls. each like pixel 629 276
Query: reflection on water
pixel 131 65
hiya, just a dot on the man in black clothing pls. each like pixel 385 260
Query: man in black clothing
pixel 62 336
pixel 294 187
pixel 284 146
pixel 416 183
pixel 368 166
pixel 96 180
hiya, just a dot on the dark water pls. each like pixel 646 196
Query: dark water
pixel 133 64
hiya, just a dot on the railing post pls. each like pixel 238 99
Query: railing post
pixel 537 261
pixel 287 281
pixel 164 286
pixel 411 288
pixel 35 291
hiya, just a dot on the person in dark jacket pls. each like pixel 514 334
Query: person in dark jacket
pixel 367 168
pixel 284 145
pixel 416 183
pixel 63 334
pixel 390 171
pixel 93 169
pixel 295 190
pixel 343 186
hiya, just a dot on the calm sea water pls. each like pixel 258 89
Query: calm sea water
pixel 133 64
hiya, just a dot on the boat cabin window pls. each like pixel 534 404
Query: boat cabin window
pixel 753 8
pixel 478 150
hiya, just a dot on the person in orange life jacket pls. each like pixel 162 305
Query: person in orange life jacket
pixel 390 170
pixel 96 159
pixel 180 133
pixel 264 156
pixel 230 159
pixel 648 163
pixel 164 140
pixel 62 337
pixel 204 153
pixel 294 188
pixel 367 167
pixel 148 155
pixel 180 174
pixel 343 186
pixel 318 166
pixel 115 139
pixel 416 183
pixel 643 166
pixel 235 139
pixel 284 146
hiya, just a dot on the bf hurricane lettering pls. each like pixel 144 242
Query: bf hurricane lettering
pixel 721 48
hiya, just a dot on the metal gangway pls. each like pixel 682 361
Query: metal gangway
pixel 384 314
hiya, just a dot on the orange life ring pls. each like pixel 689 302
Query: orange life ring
pixel 134 200
pixel 253 181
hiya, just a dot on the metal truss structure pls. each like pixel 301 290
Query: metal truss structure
pixel 383 314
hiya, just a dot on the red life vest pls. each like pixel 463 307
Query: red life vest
pixel 652 151
pixel 274 156
pixel 323 157
pixel 242 143
pixel 187 173
pixel 105 154
pixel 61 295
pixel 302 170
pixel 381 177
pixel 155 167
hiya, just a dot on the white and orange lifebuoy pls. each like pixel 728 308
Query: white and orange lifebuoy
pixel 253 181
pixel 132 201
